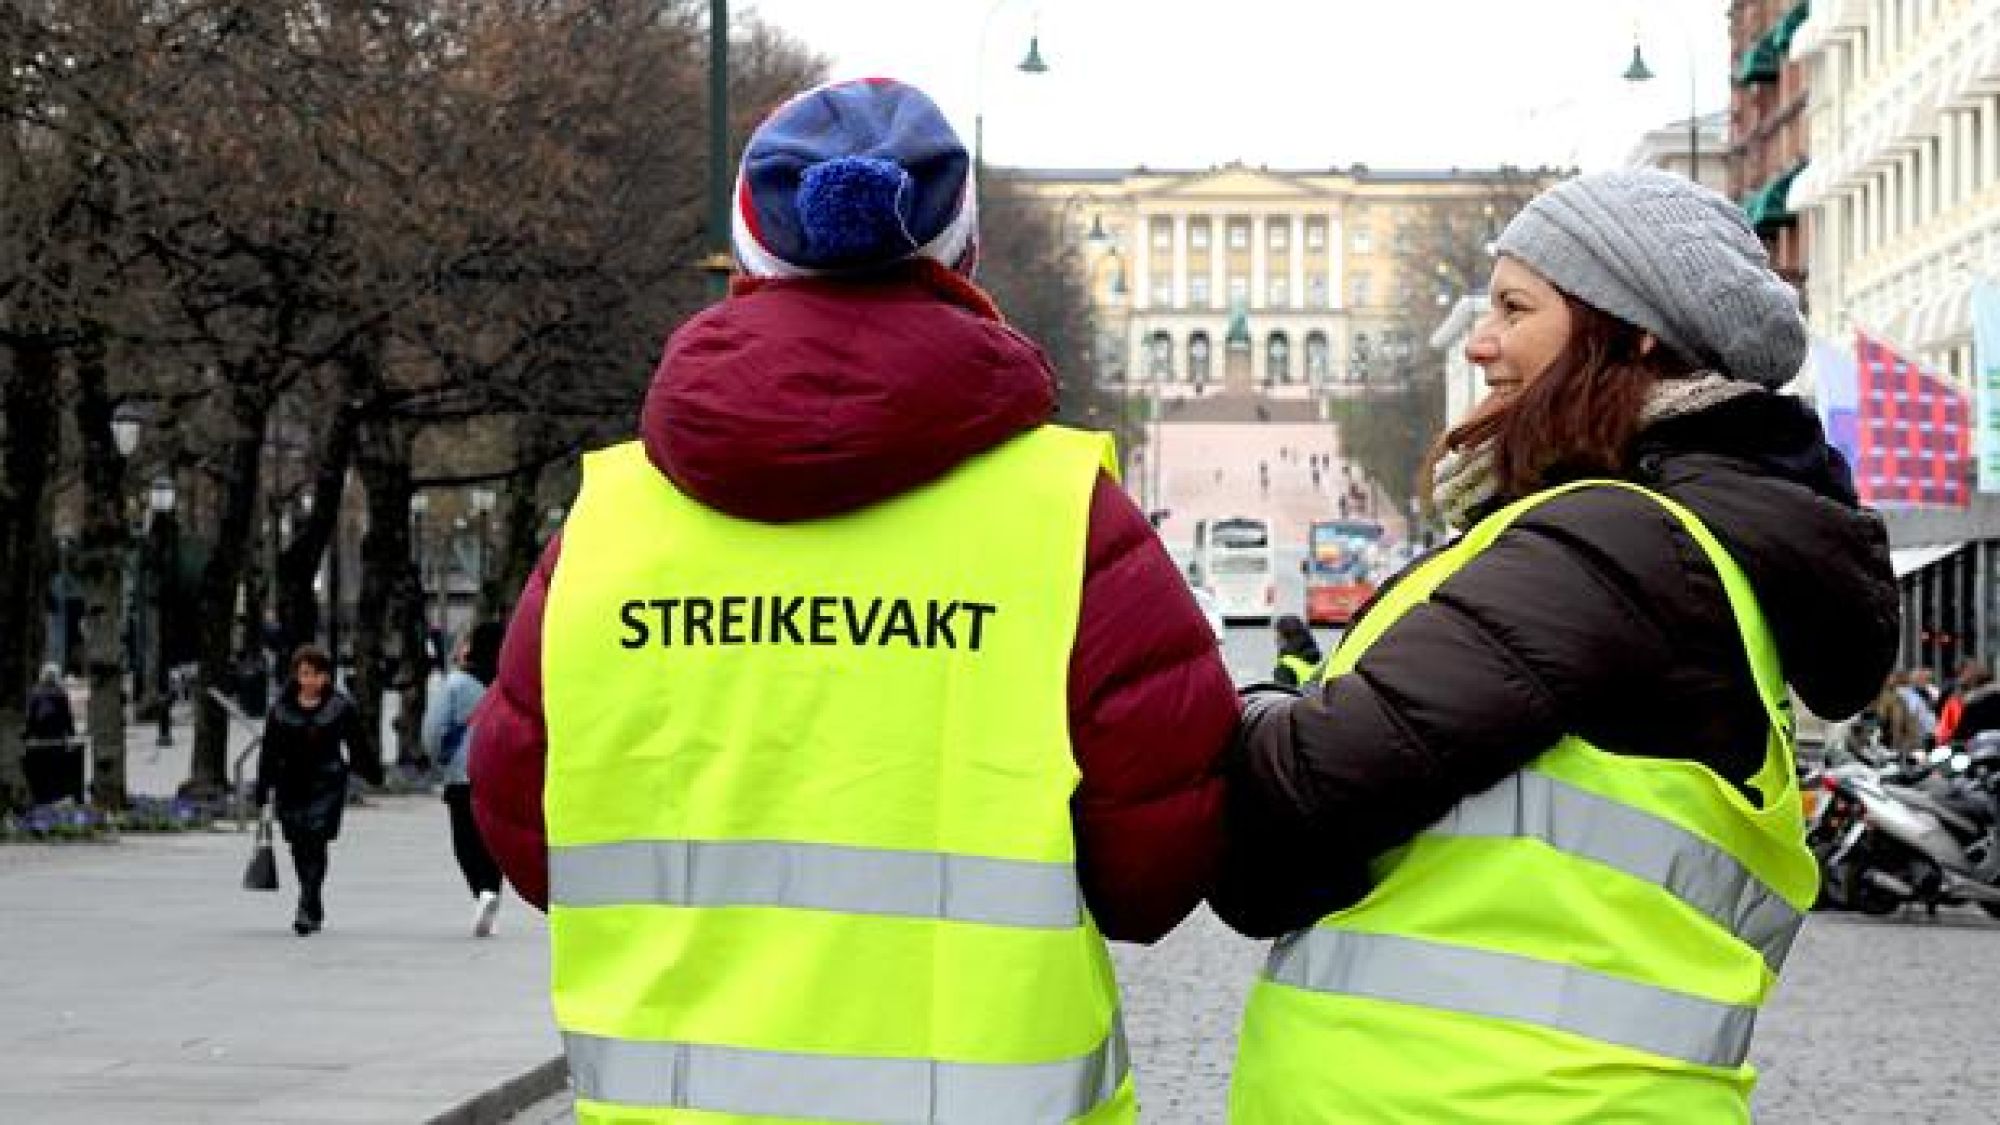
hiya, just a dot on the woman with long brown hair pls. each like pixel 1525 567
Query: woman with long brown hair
pixel 1533 839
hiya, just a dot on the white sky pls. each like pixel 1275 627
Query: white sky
pixel 1288 83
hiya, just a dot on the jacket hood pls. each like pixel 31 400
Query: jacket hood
pixel 1759 472
pixel 797 399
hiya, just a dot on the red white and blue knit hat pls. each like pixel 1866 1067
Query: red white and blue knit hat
pixel 853 176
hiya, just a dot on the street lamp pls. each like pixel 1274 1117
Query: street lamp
pixel 482 499
pixel 420 505
pixel 1031 64
pixel 160 500
pixel 1638 71
pixel 718 262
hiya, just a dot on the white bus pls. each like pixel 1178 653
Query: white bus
pixel 1233 558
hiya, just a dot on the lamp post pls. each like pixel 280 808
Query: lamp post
pixel 160 500
pixel 1030 64
pixel 482 499
pixel 420 505
pixel 1638 71
pixel 125 424
pixel 718 264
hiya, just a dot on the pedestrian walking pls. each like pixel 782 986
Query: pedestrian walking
pixel 1298 653
pixel 872 674
pixel 447 732
pixel 312 742
pixel 1564 742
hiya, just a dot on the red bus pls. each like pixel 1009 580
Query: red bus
pixel 1341 558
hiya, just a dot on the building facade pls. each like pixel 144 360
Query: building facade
pixel 1289 285
pixel 1700 155
pixel 1768 135
pixel 1901 202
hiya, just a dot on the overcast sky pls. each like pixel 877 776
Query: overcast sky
pixel 1288 83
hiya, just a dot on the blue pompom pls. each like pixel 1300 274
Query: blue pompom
pixel 850 209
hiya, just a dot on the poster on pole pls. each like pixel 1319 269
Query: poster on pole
pixel 1986 384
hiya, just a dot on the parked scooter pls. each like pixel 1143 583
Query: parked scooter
pixel 1934 839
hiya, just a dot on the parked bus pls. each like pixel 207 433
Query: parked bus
pixel 1341 560
pixel 1232 557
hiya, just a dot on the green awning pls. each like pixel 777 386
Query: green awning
pixel 1765 206
pixel 1789 26
pixel 1760 61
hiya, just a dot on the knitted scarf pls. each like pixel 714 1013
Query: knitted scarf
pixel 1463 485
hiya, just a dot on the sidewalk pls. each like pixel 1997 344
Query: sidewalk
pixel 139 983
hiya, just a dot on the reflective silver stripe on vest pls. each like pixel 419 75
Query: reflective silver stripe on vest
pixel 843 1088
pixel 1505 986
pixel 1584 824
pixel 850 880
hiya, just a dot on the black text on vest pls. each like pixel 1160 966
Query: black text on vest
pixel 822 619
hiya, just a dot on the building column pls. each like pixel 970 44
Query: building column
pixel 1257 264
pixel 1989 120
pixel 1298 249
pixel 1968 149
pixel 1142 264
pixel 1180 259
pixel 1336 283
pixel 1218 277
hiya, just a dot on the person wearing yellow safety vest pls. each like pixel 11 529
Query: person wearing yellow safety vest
pixel 855 705
pixel 1531 845
pixel 1298 653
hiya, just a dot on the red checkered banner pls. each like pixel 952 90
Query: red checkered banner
pixel 1912 440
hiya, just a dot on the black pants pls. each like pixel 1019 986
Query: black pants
pixel 309 860
pixel 481 873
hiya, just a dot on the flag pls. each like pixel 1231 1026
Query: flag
pixel 1986 384
pixel 1837 396
pixel 1911 441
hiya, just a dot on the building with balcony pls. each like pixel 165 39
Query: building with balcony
pixel 1901 202
pixel 1278 285
pixel 1768 139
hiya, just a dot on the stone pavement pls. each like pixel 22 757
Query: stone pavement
pixel 138 982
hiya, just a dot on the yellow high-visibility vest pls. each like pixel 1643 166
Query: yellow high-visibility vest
pixel 1588 941
pixel 1302 669
pixel 808 804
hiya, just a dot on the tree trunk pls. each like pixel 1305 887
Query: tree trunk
pixel 249 407
pixel 28 390
pixel 106 545
pixel 388 640
pixel 299 560
pixel 519 548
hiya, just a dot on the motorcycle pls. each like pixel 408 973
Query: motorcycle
pixel 1886 839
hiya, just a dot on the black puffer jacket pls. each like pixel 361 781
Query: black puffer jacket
pixel 302 762
pixel 1595 613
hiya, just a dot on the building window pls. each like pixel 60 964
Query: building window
pixel 1239 234
pixel 1277 359
pixel 1163 292
pixel 1316 290
pixel 1357 290
pixel 1364 242
pixel 1239 289
pixel 1163 234
pixel 1318 359
pixel 1403 238
pixel 1316 234
pixel 1277 232
pixel 1198 234
pixel 1198 291
pixel 1110 356
pixel 1359 353
pixel 1279 291
pixel 1198 358
pixel 1160 356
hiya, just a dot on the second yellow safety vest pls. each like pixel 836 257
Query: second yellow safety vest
pixel 1588 941
pixel 808 804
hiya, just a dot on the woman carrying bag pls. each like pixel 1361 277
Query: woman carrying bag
pixel 303 771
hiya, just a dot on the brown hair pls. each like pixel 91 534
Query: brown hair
pixel 1578 417
pixel 314 655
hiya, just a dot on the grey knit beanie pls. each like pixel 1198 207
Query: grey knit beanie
pixel 1664 253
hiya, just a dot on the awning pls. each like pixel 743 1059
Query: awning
pixel 1781 36
pixel 1909 560
pixel 1760 60
pixel 1765 206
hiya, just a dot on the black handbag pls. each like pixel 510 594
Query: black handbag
pixel 261 873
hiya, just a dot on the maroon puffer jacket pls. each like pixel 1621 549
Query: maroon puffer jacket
pixel 796 400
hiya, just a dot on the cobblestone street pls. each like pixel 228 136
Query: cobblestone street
pixel 1876 1021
